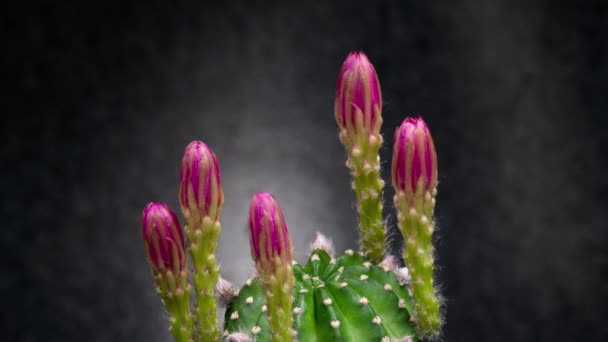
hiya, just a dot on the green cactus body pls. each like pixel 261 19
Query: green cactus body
pixel 342 299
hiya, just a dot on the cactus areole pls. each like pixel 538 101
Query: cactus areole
pixel 357 296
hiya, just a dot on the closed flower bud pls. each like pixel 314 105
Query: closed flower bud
pixel 200 191
pixel 273 254
pixel 269 235
pixel 358 99
pixel 163 238
pixel 414 158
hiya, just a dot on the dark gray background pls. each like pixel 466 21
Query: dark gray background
pixel 102 98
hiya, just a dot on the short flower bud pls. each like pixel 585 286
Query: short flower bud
pixel 269 235
pixel 163 238
pixel 200 190
pixel 414 158
pixel 358 99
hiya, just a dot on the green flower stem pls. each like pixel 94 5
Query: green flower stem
pixel 182 327
pixel 175 294
pixel 364 164
pixel 416 224
pixel 203 242
pixel 278 293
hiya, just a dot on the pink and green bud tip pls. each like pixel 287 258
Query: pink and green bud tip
pixel 163 238
pixel 358 103
pixel 269 235
pixel 414 166
pixel 272 251
pixel 200 190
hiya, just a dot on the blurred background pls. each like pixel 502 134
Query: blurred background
pixel 100 100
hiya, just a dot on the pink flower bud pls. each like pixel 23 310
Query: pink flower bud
pixel 358 96
pixel 163 238
pixel 414 157
pixel 200 190
pixel 269 235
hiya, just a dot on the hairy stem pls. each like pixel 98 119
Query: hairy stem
pixel 364 164
pixel 278 292
pixel 203 242
pixel 174 290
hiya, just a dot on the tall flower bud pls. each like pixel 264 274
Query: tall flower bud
pixel 163 238
pixel 201 198
pixel 414 166
pixel 357 110
pixel 200 191
pixel 164 244
pixel 272 252
pixel 269 235
pixel 358 103
pixel 414 175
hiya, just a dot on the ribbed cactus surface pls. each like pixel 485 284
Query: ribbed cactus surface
pixel 341 299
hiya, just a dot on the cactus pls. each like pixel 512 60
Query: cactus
pixel 357 296
pixel 335 299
